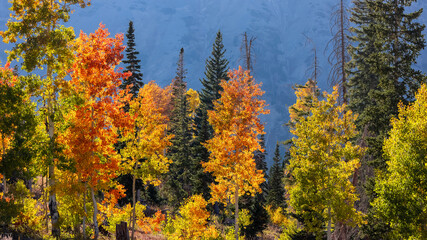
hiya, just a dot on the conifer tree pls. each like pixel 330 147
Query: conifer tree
pixel 216 70
pixel 386 43
pixel 276 188
pixel 132 63
pixel 178 183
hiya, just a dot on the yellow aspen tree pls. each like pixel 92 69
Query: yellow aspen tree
pixel 192 221
pixel 44 45
pixel 146 140
pixel 236 124
pixel 322 161
pixel 402 188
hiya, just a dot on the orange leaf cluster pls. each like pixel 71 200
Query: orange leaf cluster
pixel 6 76
pixel 151 224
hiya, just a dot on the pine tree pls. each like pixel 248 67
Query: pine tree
pixel 386 42
pixel 178 182
pixel 216 70
pixel 276 188
pixel 132 63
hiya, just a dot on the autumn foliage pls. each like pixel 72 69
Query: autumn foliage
pixel 192 221
pixel 235 120
pixel 94 121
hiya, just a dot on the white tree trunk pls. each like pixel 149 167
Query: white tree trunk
pixel 95 213
pixel 236 212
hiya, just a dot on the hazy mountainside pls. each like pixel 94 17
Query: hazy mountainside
pixel 282 55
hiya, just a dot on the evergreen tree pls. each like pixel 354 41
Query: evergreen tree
pixel 276 188
pixel 216 70
pixel 132 63
pixel 386 42
pixel 178 180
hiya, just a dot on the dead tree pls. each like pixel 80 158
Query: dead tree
pixel 314 69
pixel 246 51
pixel 339 55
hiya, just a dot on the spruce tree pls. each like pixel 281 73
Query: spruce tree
pixel 386 42
pixel 132 63
pixel 216 70
pixel 178 180
pixel 276 188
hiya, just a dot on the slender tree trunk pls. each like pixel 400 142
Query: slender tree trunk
pixel 329 235
pixel 134 206
pixel 95 214
pixel 236 212
pixel 56 231
pixel 4 174
pixel 84 216
pixel 45 201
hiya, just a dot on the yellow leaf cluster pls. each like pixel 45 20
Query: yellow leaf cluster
pixel 192 222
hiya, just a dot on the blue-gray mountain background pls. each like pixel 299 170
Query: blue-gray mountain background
pixel 282 55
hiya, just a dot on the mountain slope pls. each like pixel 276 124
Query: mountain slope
pixel 282 55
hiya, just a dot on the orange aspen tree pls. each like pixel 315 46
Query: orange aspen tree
pixel 146 139
pixel 236 124
pixel 94 121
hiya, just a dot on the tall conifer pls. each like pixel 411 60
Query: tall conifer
pixel 386 43
pixel 216 70
pixel 276 189
pixel 178 184
pixel 132 63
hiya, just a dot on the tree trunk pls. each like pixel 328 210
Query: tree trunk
pixel 84 216
pixel 4 174
pixel 95 213
pixel 122 232
pixel 329 224
pixel 134 206
pixel 236 212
